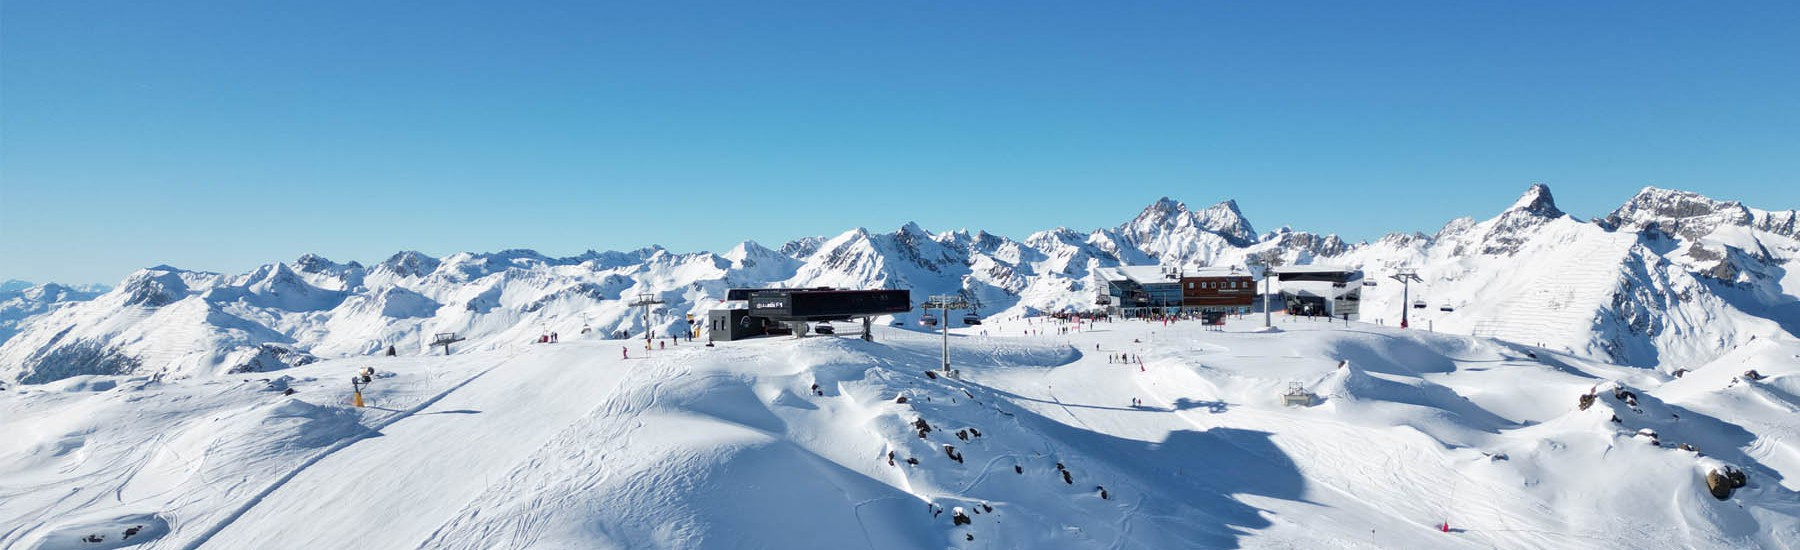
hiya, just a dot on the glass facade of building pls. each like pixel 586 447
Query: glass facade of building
pixel 1132 298
pixel 1151 290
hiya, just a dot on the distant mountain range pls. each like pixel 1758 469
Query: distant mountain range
pixel 15 285
pixel 1669 279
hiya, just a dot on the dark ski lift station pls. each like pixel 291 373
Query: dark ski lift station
pixel 750 312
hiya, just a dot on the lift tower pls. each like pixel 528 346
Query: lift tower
pixel 944 303
pixel 1406 276
pixel 1268 272
pixel 645 300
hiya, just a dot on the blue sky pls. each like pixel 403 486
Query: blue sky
pixel 220 136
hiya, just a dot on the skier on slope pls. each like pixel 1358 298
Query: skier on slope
pixel 624 352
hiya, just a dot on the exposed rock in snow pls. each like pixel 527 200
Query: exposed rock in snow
pixel 408 263
pixel 327 274
pixel 801 248
pixel 1168 229
pixel 1508 232
pixel 155 287
pixel 1693 216
pixel 1537 201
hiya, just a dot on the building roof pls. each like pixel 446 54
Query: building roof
pixel 1216 271
pixel 1314 268
pixel 1140 274
pixel 1149 274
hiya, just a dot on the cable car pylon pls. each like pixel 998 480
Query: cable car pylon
pixel 1406 276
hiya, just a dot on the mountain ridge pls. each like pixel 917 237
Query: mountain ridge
pixel 1688 257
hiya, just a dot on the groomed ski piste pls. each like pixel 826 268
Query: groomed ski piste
pixel 1414 440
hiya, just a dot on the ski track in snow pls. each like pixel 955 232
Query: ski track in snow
pixel 372 431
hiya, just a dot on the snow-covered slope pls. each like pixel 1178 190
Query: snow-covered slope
pixel 1669 280
pixel 1044 442
pixel 20 301
pixel 1621 290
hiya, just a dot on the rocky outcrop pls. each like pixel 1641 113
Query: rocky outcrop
pixel 1723 480
pixel 1167 217
pixel 409 263
pixel 1519 223
pixel 1692 215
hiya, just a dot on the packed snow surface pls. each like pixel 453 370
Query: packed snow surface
pixel 1125 434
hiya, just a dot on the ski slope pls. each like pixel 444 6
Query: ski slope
pixel 570 446
pixel 420 463
pixel 1559 305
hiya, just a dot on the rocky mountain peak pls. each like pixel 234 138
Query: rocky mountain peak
pixel 1226 220
pixel 1164 212
pixel 154 287
pixel 313 263
pixel 1167 216
pixel 801 248
pixel 1513 227
pixel 1537 201
pixel 912 228
pixel 1684 213
pixel 410 263
pixel 750 253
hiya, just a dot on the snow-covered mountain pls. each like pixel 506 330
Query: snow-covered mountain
pixel 1625 289
pixel 20 300
pixel 1669 280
